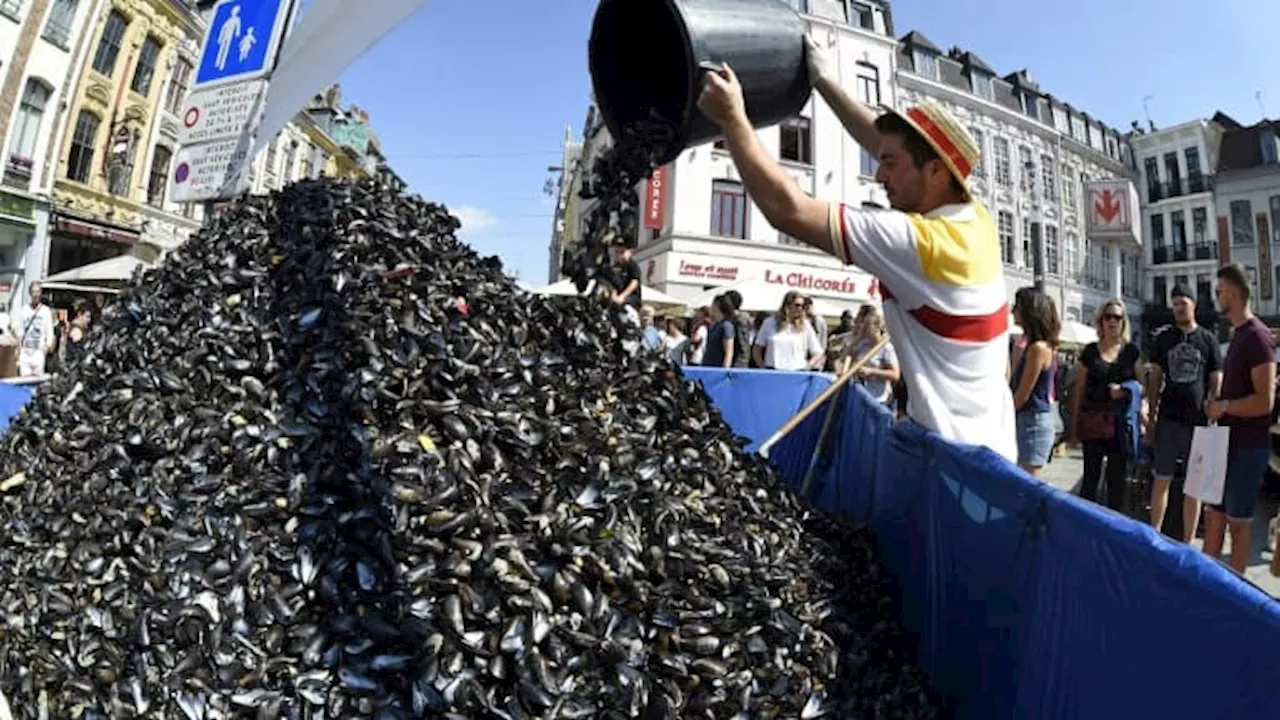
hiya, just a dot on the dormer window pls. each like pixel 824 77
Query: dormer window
pixel 926 64
pixel 1031 105
pixel 858 14
pixel 982 85
pixel 1270 148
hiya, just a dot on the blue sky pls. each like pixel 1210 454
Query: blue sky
pixel 471 99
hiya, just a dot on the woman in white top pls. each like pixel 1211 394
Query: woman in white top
pixel 786 341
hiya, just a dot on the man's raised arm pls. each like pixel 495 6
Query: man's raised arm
pixel 858 119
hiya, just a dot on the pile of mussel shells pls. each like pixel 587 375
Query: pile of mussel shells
pixel 327 462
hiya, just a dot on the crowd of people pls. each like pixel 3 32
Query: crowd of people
pixel 46 339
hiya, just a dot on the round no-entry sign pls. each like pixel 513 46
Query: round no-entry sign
pixel 191 117
pixel 180 175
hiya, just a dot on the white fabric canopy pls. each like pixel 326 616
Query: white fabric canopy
pixel 648 295
pixel 759 296
pixel 1076 333
pixel 116 269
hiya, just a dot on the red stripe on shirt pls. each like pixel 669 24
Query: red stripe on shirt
pixel 966 328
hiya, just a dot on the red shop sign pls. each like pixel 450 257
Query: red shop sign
pixel 655 199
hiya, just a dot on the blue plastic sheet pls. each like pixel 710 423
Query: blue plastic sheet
pixel 1027 602
pixel 756 403
pixel 12 399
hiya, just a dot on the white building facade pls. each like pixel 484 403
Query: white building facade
pixel 1248 203
pixel 1047 170
pixel 1179 212
pixel 43 47
pixel 701 231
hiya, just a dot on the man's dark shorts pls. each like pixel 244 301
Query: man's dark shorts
pixel 1171 449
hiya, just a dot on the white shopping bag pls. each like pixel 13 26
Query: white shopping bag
pixel 1207 464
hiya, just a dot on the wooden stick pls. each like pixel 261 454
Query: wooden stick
pixel 831 390
pixel 819 449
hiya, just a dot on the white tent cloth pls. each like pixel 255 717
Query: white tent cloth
pixel 759 296
pixel 116 269
pixel 648 295
pixel 1077 333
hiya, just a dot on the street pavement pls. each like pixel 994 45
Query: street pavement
pixel 1065 470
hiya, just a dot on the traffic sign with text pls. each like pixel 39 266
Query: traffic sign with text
pixel 211 170
pixel 242 41
pixel 222 112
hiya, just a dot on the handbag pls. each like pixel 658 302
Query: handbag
pixel 1096 425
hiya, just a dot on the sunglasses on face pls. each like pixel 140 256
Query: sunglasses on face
pixel 1117 318
pixel 798 304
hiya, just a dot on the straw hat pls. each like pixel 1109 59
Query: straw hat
pixel 953 144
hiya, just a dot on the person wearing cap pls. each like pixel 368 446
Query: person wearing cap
pixel 1185 371
pixel 935 254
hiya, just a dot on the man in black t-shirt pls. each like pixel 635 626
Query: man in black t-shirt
pixel 1186 371
pixel 626 281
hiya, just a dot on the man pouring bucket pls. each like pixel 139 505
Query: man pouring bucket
pixel 936 253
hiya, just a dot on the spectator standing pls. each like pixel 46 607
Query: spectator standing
pixel 1100 400
pixel 881 370
pixel 1184 372
pixel 676 343
pixel 1248 397
pixel 698 337
pixel 722 336
pixel 786 340
pixel 626 281
pixel 1032 377
pixel 33 327
pixel 651 336
pixel 819 323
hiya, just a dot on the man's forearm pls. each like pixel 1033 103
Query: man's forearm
pixel 767 184
pixel 858 119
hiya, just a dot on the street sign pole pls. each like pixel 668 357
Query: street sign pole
pixel 222 114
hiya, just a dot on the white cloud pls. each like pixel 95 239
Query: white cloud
pixel 474 219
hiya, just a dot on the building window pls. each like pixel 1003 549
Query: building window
pixel 859 15
pixel 869 84
pixel 145 70
pixel 269 164
pixel 1160 290
pixel 290 161
pixel 158 181
pixel 926 64
pixel 1028 259
pixel 1270 149
pixel 1241 222
pixel 80 159
pixel 1199 225
pixel 1275 219
pixel 1129 275
pixel 11 9
pixel 1028 169
pixel 1105 281
pixel 785 239
pixel 800 6
pixel 1031 106
pixel 982 86
pixel 1252 272
pixel 1077 129
pixel 1192 155
pixel 1174 174
pixel 1157 229
pixel 796 140
pixel 1069 188
pixel 1049 178
pixel 979 141
pixel 1005 223
pixel 870 165
pixel 179 84
pixel 1204 291
pixel 57 29
pixel 104 58
pixel 1004 174
pixel 26 129
pixel 1178 231
pixel 1071 258
pixel 1051 249
pixel 728 209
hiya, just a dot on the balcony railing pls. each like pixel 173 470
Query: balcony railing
pixel 1197 183
pixel 1161 254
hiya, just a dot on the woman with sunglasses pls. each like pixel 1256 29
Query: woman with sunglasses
pixel 1099 403
pixel 787 341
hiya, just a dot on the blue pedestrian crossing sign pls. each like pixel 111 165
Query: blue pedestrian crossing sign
pixel 242 41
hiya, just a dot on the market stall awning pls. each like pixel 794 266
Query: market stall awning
pixel 759 296
pixel 648 295
pixel 117 269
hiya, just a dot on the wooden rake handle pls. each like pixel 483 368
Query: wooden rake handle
pixel 827 394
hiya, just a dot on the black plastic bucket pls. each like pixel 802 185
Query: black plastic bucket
pixel 647 59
